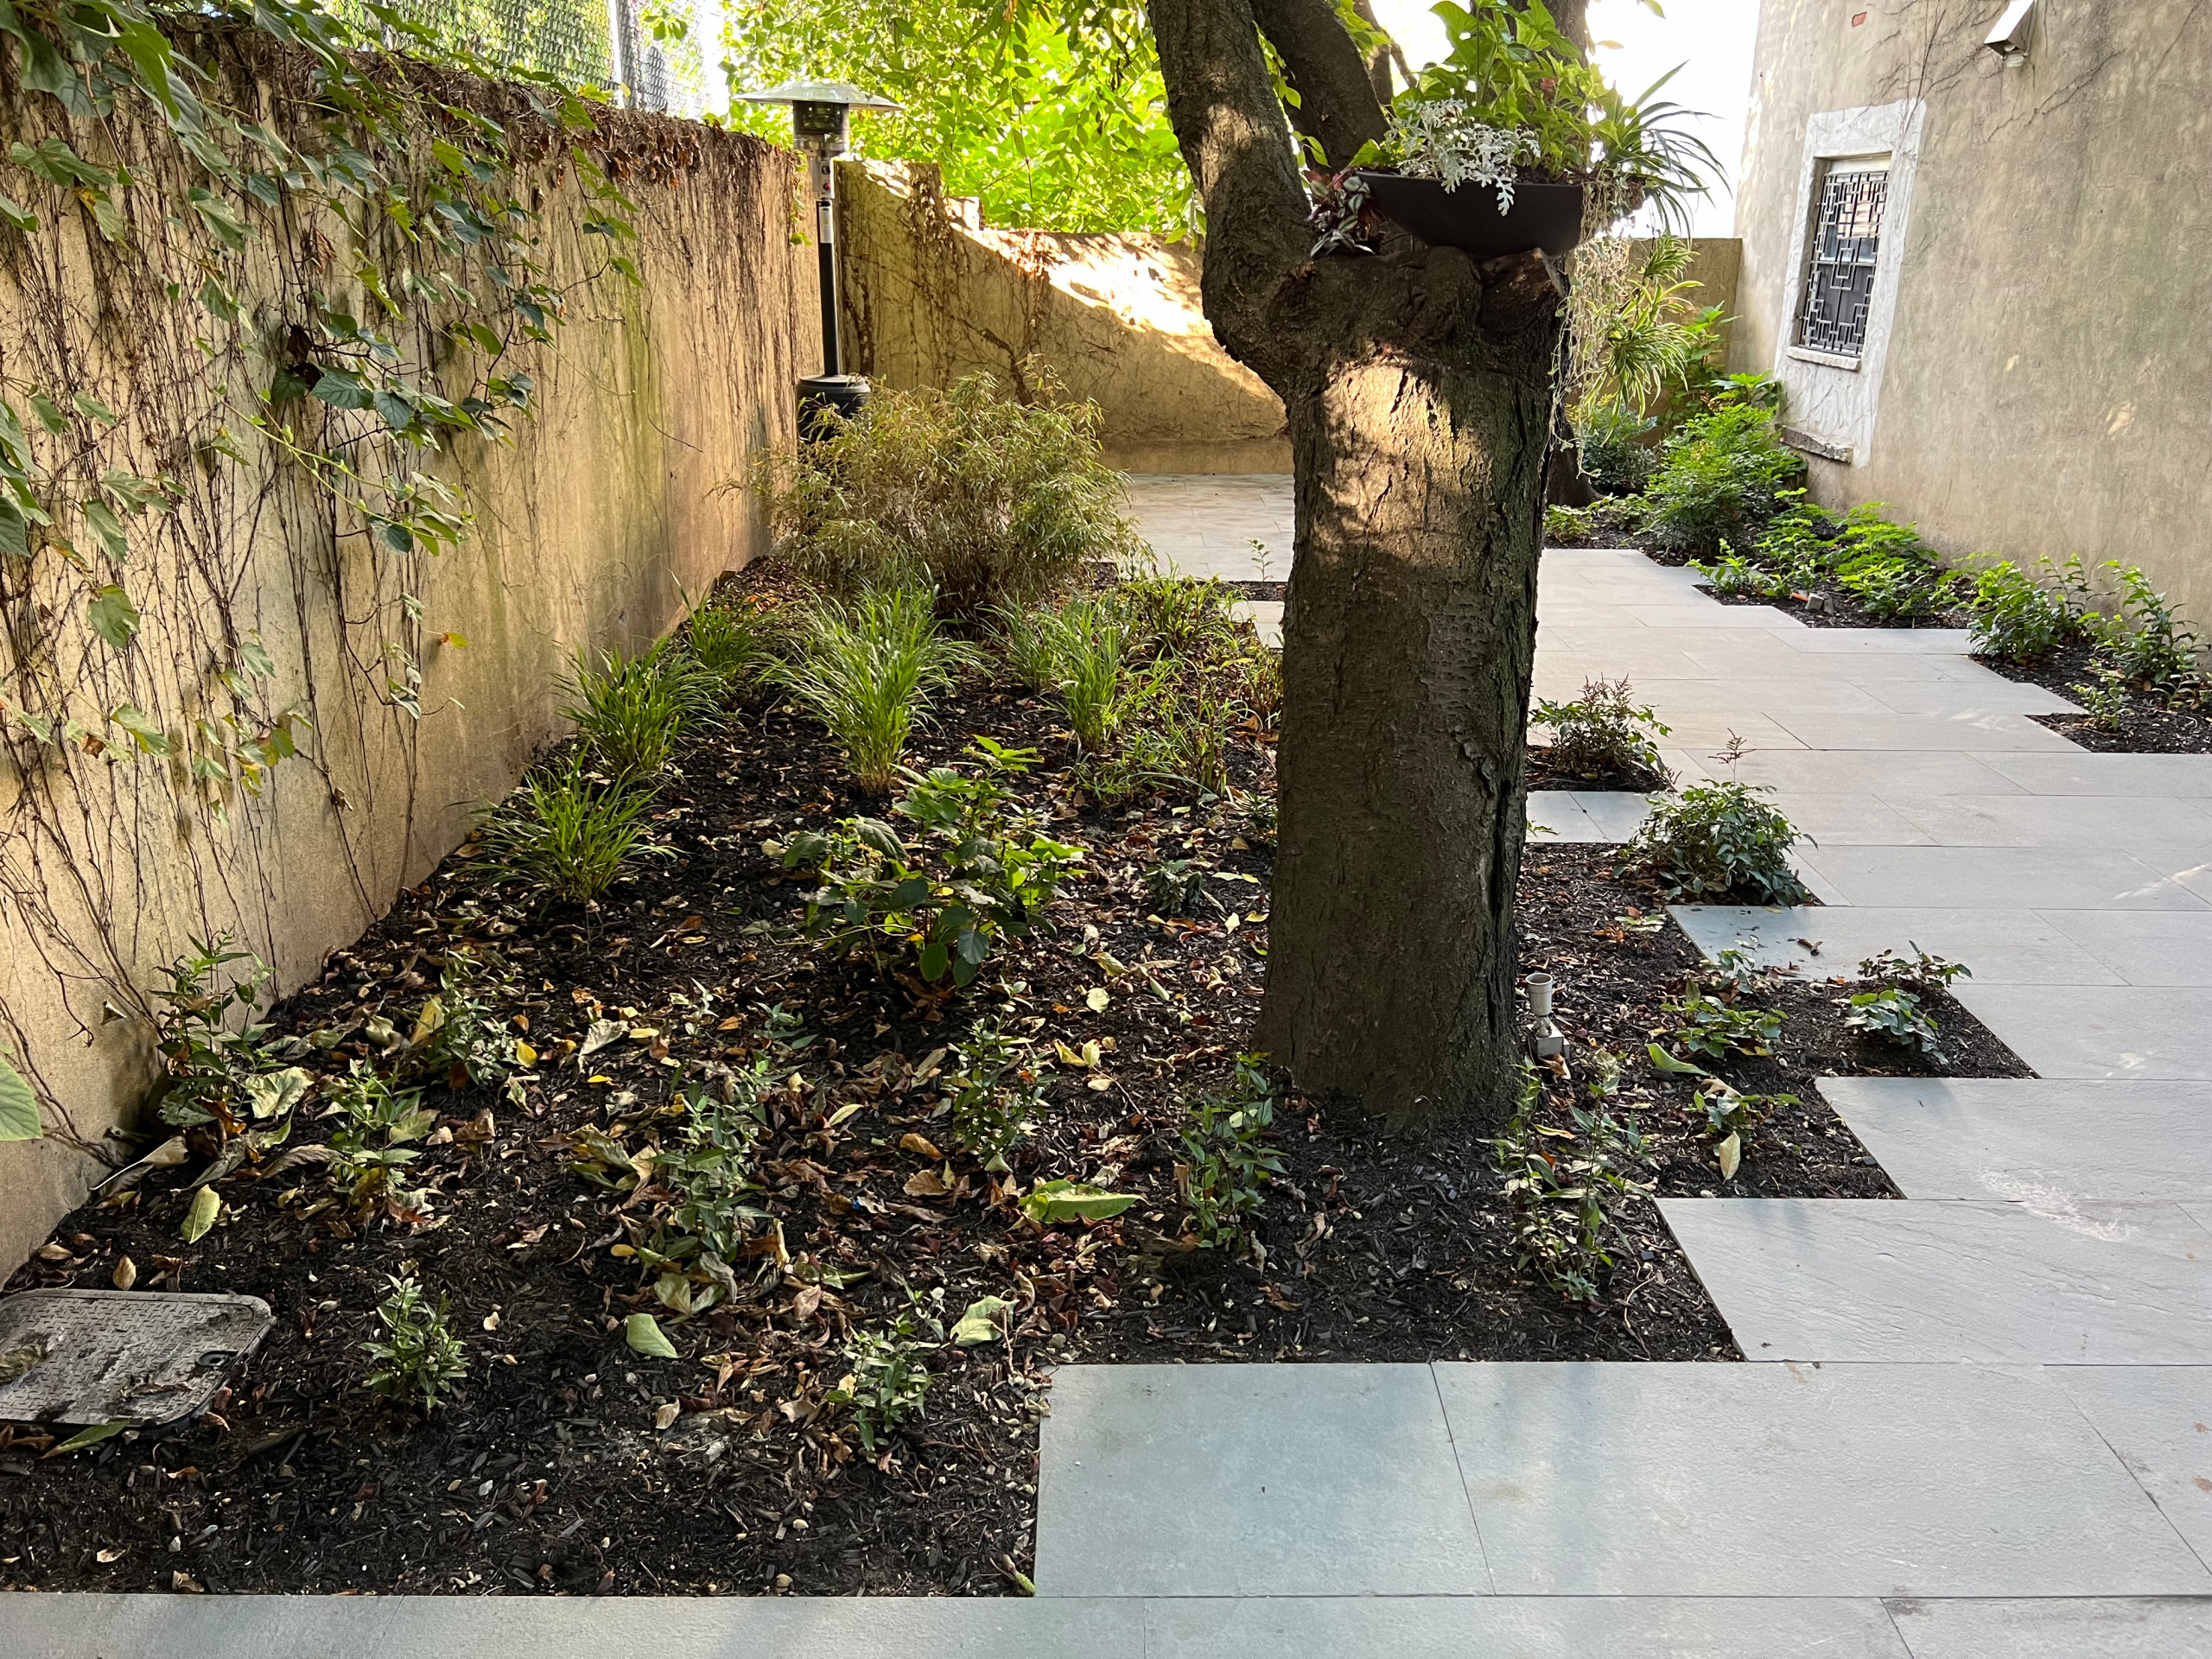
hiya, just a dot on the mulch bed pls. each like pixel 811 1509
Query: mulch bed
pixel 2151 726
pixel 1635 780
pixel 565 1463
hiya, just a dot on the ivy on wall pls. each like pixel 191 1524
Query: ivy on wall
pixel 274 264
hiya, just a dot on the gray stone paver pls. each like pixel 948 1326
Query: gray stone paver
pixel 2004 947
pixel 2044 1279
pixel 2158 1419
pixel 1218 1480
pixel 1999 878
pixel 2100 1031
pixel 2046 1141
pixel 2172 1628
pixel 1781 1480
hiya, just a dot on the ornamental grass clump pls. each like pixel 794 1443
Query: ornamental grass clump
pixel 867 669
pixel 566 830
pixel 992 501
pixel 629 710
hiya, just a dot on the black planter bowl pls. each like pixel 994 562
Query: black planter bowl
pixel 1547 216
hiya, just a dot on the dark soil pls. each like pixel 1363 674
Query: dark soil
pixel 1635 780
pixel 566 1463
pixel 1824 605
pixel 2152 725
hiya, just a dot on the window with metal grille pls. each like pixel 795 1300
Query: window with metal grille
pixel 1839 276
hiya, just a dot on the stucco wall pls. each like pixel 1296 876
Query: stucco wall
pixel 928 298
pixel 651 397
pixel 2041 384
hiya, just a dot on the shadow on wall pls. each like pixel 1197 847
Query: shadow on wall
pixel 930 296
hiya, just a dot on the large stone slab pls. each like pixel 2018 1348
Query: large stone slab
pixel 2037 1280
pixel 1800 1480
pixel 1251 1480
pixel 2166 948
pixel 2158 1419
pixel 2002 947
pixel 2040 1139
pixel 2122 821
pixel 2148 1629
pixel 2083 772
pixel 1998 878
pixel 523 1627
pixel 1972 733
pixel 1521 1627
pixel 2091 1031
pixel 1894 777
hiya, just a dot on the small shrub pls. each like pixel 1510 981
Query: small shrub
pixel 1256 673
pixel 1603 732
pixel 1180 616
pixel 629 710
pixel 566 832
pixel 1718 838
pixel 1886 567
pixel 1616 459
pixel 995 1094
pixel 216 1075
pixel 1732 574
pixel 1262 812
pixel 991 501
pixel 984 871
pixel 2147 643
pixel 887 1382
pixel 1562 1189
pixel 460 1036
pixel 374 1141
pixel 2105 700
pixel 867 671
pixel 1226 1163
pixel 1171 887
pixel 709 1170
pixel 1729 1118
pixel 1720 478
pixel 1923 972
pixel 2014 619
pixel 419 1355
pixel 1893 1014
pixel 1705 1024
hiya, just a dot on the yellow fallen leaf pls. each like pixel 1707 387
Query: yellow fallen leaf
pixel 926 1184
pixel 910 1142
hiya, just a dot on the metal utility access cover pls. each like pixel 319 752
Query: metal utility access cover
pixel 86 1357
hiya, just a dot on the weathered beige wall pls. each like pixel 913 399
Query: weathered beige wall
pixel 929 299
pixel 2044 388
pixel 651 397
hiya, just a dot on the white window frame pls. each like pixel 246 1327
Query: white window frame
pixel 1832 398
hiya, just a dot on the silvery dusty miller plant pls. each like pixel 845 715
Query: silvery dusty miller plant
pixel 1442 141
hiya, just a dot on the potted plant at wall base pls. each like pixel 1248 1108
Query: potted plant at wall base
pixel 1512 142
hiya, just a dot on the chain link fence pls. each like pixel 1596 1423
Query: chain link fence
pixel 653 56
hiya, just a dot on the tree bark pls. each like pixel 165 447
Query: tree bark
pixel 1418 392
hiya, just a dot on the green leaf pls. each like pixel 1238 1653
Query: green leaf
pixel 106 527
pixel 985 1321
pixel 205 1206
pixel 92 409
pixel 1051 1201
pixel 151 737
pixel 18 1105
pixel 216 214
pixel 113 617
pixel 18 215
pixel 49 412
pixel 1666 1062
pixel 84 1437
pixel 341 389
pixel 643 1332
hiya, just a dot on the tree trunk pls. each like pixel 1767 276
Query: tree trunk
pixel 1418 440
pixel 1418 391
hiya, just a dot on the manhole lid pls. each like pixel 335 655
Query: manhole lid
pixel 86 1357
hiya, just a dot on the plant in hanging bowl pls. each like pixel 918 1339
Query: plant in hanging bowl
pixel 1512 142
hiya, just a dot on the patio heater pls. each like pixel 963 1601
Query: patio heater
pixel 822 113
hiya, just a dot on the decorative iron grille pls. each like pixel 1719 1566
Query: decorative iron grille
pixel 1839 277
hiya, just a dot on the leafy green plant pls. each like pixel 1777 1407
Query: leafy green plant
pixel 1616 459
pixel 1602 731
pixel 1171 887
pixel 1923 972
pixel 1705 1024
pixel 1729 1118
pixel 2013 618
pixel 1893 1014
pixel 1075 649
pixel 888 1381
pixel 460 1035
pixel 1732 574
pixel 1720 478
pixel 2104 699
pixel 1168 740
pixel 565 831
pixel 1563 1186
pixel 419 1355
pixel 1226 1162
pixel 990 501
pixel 218 1075
pixel 629 711
pixel 867 671
pixel 996 1095
pixel 2147 642
pixel 1886 567
pixel 1718 838
pixel 983 871
pixel 708 1169
pixel 1191 617
pixel 374 1141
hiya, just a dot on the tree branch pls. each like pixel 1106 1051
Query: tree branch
pixel 1222 103
pixel 1336 107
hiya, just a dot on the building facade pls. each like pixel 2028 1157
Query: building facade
pixel 1982 269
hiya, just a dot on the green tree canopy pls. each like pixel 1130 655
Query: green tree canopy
pixel 1057 122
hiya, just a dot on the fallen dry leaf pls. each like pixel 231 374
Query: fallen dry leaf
pixel 912 1142
pixel 926 1184
pixel 125 1273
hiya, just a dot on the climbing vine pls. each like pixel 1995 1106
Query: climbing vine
pixel 276 269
